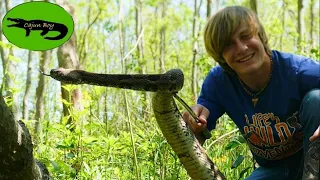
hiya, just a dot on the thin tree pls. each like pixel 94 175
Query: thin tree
pixel 209 3
pixel 300 24
pixel 105 95
pixel 163 37
pixel 153 45
pixel 217 4
pixel 140 52
pixel 68 58
pixel 83 37
pixel 311 22
pixel 195 48
pixel 44 61
pixel 254 5
pixel 8 67
pixel 25 110
pixel 124 71
pixel 283 22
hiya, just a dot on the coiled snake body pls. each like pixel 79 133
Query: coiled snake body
pixel 180 137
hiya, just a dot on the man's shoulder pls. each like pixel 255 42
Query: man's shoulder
pixel 216 71
pixel 288 60
pixel 218 75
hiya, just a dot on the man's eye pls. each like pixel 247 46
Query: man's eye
pixel 228 44
pixel 246 36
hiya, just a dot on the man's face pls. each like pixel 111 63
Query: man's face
pixel 245 54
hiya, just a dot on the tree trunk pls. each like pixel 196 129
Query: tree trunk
pixel 217 4
pixel 25 110
pixel 300 24
pixel 195 51
pixel 311 23
pixel 2 51
pixel 8 69
pixel 140 47
pixel 140 54
pixel 16 155
pixel 154 45
pixel 254 5
pixel 124 71
pixel 121 48
pixel 68 58
pixel 44 61
pixel 105 95
pixel 83 43
pixel 209 2
pixel 284 5
pixel 163 37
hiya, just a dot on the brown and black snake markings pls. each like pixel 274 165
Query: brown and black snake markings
pixel 180 137
pixel 312 161
pixel 44 26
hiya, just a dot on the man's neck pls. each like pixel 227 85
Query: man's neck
pixel 258 79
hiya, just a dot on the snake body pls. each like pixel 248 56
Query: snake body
pixel 179 136
pixel 312 161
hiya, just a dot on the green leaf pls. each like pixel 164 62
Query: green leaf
pixel 63 166
pixel 69 87
pixel 246 170
pixel 71 146
pixel 70 155
pixel 232 144
pixel 237 162
pixel 86 167
pixel 62 147
pixel 55 166
pixel 241 139
pixel 314 50
pixel 67 103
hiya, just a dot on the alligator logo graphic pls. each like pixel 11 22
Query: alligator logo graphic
pixel 37 26
pixel 44 26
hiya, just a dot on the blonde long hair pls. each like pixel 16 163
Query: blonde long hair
pixel 222 25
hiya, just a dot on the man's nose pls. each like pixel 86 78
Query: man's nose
pixel 241 46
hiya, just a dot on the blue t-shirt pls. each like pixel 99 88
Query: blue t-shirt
pixel 274 122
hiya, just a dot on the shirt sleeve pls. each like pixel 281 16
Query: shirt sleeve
pixel 209 99
pixel 309 75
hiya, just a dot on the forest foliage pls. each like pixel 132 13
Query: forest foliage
pixel 115 136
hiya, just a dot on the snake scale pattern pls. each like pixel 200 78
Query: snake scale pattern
pixel 312 161
pixel 179 136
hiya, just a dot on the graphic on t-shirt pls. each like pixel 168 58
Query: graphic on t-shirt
pixel 272 139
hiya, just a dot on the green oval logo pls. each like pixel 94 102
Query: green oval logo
pixel 37 26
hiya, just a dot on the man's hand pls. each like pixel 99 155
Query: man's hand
pixel 202 114
pixel 315 135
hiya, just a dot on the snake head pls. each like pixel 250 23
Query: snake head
pixel 69 76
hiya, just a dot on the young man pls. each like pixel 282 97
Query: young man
pixel 273 97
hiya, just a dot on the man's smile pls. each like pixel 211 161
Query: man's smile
pixel 245 59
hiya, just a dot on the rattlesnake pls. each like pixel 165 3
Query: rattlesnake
pixel 312 161
pixel 177 133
